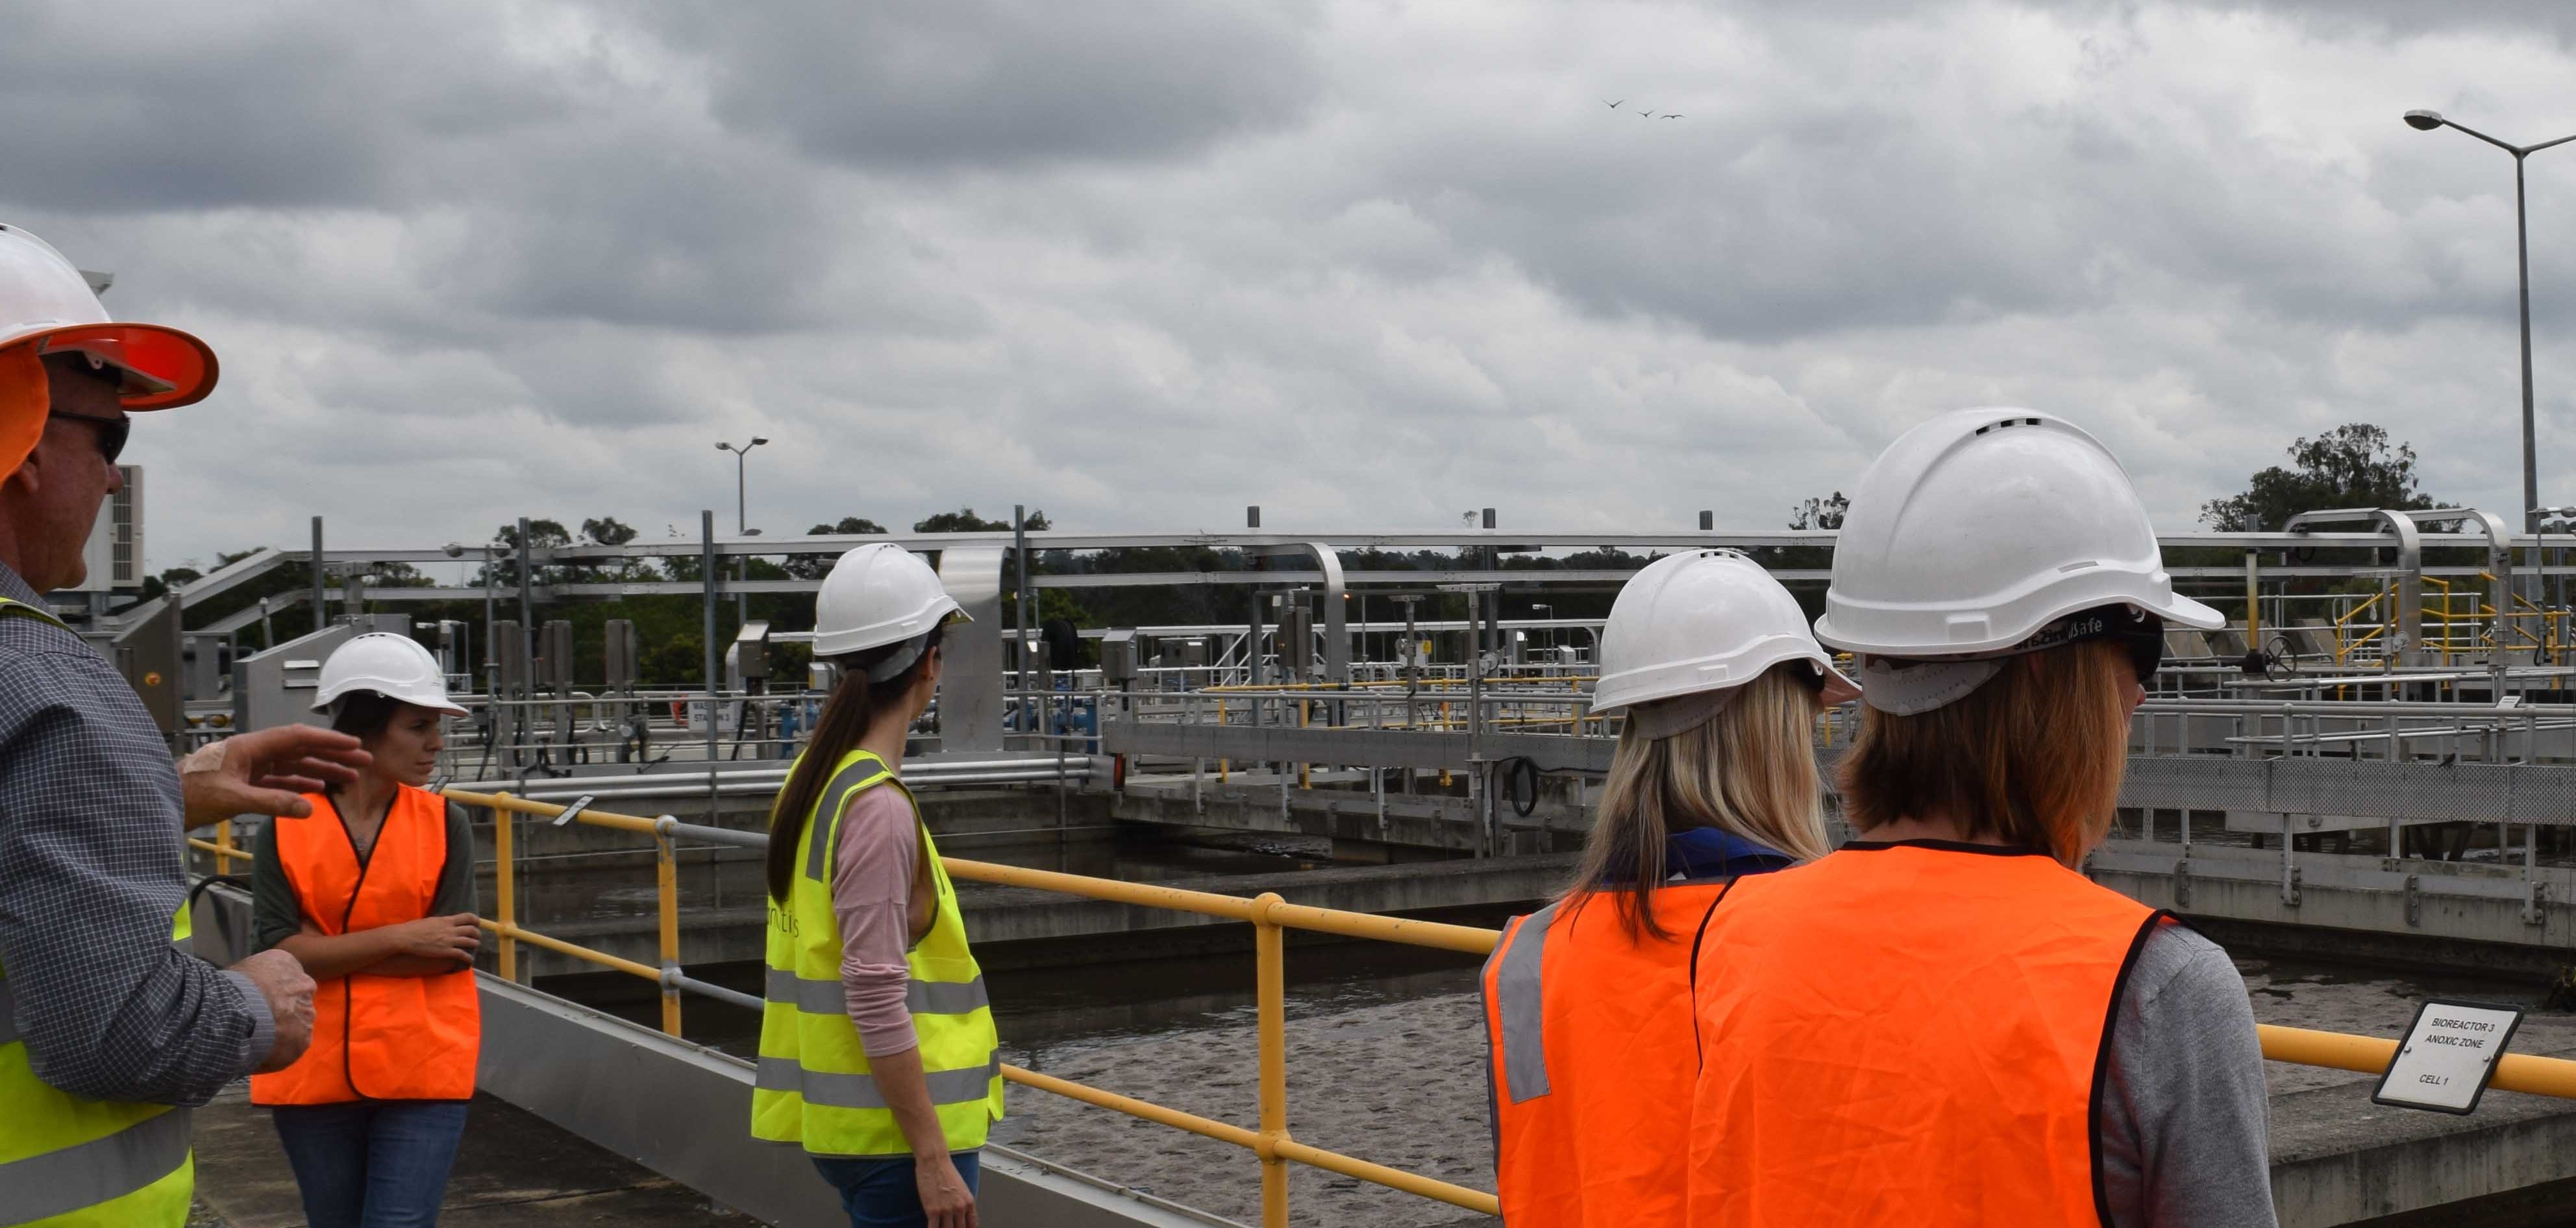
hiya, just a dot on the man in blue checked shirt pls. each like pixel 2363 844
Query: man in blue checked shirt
pixel 109 1027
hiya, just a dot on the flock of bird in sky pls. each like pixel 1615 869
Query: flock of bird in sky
pixel 1639 114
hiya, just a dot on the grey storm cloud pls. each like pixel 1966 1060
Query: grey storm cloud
pixel 993 83
pixel 1367 264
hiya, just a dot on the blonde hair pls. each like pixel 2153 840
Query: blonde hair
pixel 1749 772
pixel 2033 757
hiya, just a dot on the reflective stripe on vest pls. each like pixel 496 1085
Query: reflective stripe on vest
pixel 70 1162
pixel 921 997
pixel 1591 1060
pixel 813 1085
pixel 1907 1034
pixel 1520 1035
pixel 376 1037
pixel 858 1091
pixel 83 1175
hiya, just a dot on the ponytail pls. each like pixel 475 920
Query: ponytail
pixel 856 704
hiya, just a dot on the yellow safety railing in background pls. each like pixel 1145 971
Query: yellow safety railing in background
pixel 1270 917
pixel 221 846
pixel 2344 645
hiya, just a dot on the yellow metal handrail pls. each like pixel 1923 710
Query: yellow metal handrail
pixel 1271 917
pixel 2344 647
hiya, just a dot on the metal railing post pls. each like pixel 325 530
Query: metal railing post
pixel 504 888
pixel 1270 982
pixel 1305 771
pixel 666 873
pixel 224 847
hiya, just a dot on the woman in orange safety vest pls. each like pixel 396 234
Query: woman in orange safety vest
pixel 1587 1001
pixel 374 892
pixel 1944 1022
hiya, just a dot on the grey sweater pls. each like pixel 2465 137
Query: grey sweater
pixel 2184 1111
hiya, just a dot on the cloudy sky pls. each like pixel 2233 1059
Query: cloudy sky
pixel 1366 263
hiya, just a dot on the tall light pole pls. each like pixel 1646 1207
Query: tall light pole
pixel 741 522
pixel 2427 121
pixel 744 453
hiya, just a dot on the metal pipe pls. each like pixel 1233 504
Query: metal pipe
pixel 675 978
pixel 707 582
pixel 321 612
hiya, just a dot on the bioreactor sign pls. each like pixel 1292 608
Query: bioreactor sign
pixel 2447 1057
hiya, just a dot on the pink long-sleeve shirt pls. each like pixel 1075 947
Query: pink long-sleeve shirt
pixel 872 885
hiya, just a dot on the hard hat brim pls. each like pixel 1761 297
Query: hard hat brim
pixel 1839 688
pixel 162 368
pixel 447 706
pixel 2171 607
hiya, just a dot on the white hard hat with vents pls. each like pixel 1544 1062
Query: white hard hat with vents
pixel 1695 627
pixel 1980 530
pixel 880 594
pixel 394 666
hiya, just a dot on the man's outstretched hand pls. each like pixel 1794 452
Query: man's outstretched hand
pixel 262 773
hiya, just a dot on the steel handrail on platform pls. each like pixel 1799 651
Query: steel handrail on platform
pixel 1271 917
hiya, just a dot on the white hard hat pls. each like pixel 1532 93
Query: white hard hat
pixel 1700 623
pixel 394 666
pixel 44 299
pixel 879 594
pixel 1978 531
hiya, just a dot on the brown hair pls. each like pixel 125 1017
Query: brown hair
pixel 1750 772
pixel 856 703
pixel 2033 757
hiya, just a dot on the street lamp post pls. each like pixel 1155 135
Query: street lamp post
pixel 741 522
pixel 2427 121
pixel 1540 607
pixel 744 452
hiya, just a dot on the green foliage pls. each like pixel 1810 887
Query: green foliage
pixel 2353 465
pixel 816 566
pixel 964 520
pixel 606 531
pixel 1824 513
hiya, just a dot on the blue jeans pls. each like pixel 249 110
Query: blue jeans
pixel 881 1193
pixel 371 1163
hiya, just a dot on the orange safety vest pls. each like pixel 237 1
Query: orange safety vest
pixel 376 1037
pixel 1907 1034
pixel 1591 1061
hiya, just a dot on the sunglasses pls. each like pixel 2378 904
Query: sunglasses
pixel 111 432
pixel 2146 644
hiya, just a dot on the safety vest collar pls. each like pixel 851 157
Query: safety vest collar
pixel 1707 852
pixel 11 605
pixel 1947 846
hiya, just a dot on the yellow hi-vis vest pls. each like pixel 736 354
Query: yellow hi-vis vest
pixel 70 1162
pixel 813 1085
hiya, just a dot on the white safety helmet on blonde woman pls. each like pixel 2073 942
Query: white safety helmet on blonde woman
pixel 880 594
pixel 394 666
pixel 1689 629
pixel 1990 533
